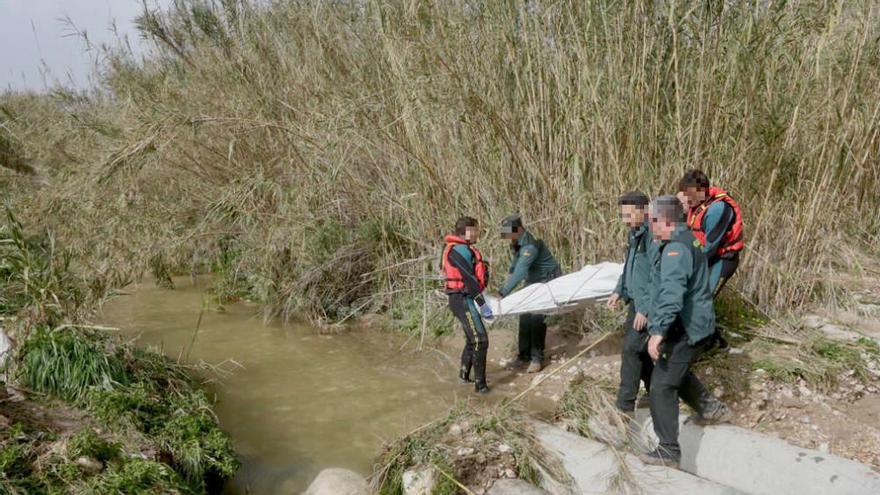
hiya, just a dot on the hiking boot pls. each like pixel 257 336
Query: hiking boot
pixel 482 389
pixel 517 364
pixel 535 366
pixel 662 457
pixel 714 414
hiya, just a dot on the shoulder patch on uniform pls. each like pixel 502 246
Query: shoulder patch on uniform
pixel 697 243
pixel 672 253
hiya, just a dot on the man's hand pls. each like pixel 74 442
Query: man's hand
pixel 486 312
pixel 654 347
pixel 640 322
pixel 613 301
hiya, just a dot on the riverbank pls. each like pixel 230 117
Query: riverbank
pixel 286 399
pixel 82 409
pixel 815 388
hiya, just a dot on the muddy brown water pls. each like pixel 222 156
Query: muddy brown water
pixel 300 401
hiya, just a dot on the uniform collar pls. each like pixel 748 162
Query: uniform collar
pixel 680 232
pixel 640 230
pixel 524 240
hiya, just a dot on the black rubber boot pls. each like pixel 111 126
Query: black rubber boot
pixel 467 361
pixel 480 369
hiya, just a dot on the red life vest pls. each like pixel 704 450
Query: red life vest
pixel 733 238
pixel 454 279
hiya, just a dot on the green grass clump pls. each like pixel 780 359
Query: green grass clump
pixel 15 454
pixel 134 390
pixel 137 476
pixel 89 444
pixel 819 361
pixel 844 356
pixel 68 364
pixel 733 312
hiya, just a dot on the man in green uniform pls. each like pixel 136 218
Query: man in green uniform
pixel 634 288
pixel 533 263
pixel 682 322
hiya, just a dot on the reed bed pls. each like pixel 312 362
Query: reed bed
pixel 313 153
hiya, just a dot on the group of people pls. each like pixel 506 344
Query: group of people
pixel 681 251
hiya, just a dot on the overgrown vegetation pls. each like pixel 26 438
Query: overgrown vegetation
pixel 314 152
pixel 819 361
pixel 467 447
pixel 172 442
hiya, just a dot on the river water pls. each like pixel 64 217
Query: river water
pixel 300 401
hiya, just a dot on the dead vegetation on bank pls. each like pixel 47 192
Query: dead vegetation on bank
pixel 313 153
pixel 466 452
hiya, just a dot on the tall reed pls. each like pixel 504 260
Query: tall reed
pixel 314 152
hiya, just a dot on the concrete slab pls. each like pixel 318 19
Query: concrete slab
pixel 596 469
pixel 763 465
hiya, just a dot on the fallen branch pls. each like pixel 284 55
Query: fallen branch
pixel 87 327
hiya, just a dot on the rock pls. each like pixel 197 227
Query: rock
pixel 718 392
pixel 335 481
pixel 419 481
pixel 455 430
pixel 504 448
pixel 515 487
pixel 89 465
pixel 465 451
pixel 5 346
pixel 813 321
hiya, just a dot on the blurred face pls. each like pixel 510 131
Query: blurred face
pixel 693 196
pixel 511 236
pixel 662 229
pixel 472 234
pixel 633 216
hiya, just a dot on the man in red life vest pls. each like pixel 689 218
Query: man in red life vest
pixel 716 221
pixel 466 277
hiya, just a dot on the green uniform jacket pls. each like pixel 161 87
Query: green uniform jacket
pixel 634 284
pixel 680 288
pixel 532 262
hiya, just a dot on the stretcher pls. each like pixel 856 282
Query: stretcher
pixel 560 295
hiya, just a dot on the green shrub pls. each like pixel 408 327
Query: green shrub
pixel 68 364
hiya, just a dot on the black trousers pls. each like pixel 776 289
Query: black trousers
pixel 533 331
pixel 476 339
pixel 672 379
pixel 532 337
pixel 635 364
